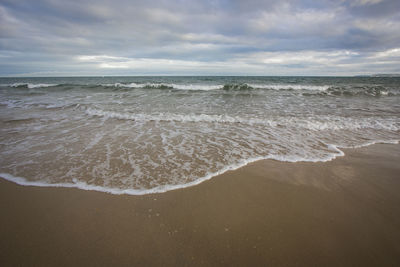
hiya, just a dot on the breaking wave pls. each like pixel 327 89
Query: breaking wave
pixel 369 91
pixel 307 90
pixel 207 87
pixel 30 85
pixel 291 87
pixel 315 123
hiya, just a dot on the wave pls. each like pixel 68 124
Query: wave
pixel 173 117
pixel 374 91
pixel 316 124
pixel 367 91
pixel 291 87
pixel 203 87
pixel 305 90
pixel 321 90
pixel 336 152
pixel 164 188
pixel 30 85
pixel 207 87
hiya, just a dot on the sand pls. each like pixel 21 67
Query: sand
pixel 345 212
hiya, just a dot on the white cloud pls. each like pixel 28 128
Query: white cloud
pixel 100 58
pixel 292 21
pixel 340 62
pixel 388 54
pixel 364 2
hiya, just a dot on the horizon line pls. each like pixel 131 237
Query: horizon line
pixel 198 75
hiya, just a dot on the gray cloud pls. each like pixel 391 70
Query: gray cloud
pixel 54 37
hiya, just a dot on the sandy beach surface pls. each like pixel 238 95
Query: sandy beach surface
pixel 345 212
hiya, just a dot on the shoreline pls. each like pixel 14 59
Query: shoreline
pixel 163 189
pixel 342 212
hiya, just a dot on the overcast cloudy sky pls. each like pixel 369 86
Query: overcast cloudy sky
pixel 183 37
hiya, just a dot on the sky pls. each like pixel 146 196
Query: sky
pixel 183 37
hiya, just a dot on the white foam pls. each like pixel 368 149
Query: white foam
pixel 158 189
pixel 129 85
pixel 290 87
pixel 175 117
pixel 337 123
pixel 32 85
pixel 204 87
pixel 207 87
pixel 316 124
pixel 164 188
pixel 373 142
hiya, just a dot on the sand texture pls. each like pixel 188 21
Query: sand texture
pixel 345 212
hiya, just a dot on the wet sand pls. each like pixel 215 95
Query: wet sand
pixel 345 212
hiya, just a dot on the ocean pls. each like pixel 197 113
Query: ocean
pixel 141 135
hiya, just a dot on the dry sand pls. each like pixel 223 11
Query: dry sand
pixel 341 213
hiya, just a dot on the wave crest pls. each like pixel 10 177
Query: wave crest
pixel 229 86
pixel 203 87
pixel 369 91
pixel 31 85
pixel 291 87
pixel 315 124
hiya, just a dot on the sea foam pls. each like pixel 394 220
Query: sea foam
pixel 207 87
pixel 336 152
pixel 31 85
pixel 291 87
pixel 317 123
pixel 164 188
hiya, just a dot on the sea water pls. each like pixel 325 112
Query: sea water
pixel 139 135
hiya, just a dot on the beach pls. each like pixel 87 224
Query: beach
pixel 343 212
pixel 200 133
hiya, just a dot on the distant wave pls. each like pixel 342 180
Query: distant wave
pixel 207 87
pixel 30 85
pixel 291 87
pixel 307 90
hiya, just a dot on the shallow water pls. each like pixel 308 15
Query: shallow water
pixel 138 135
